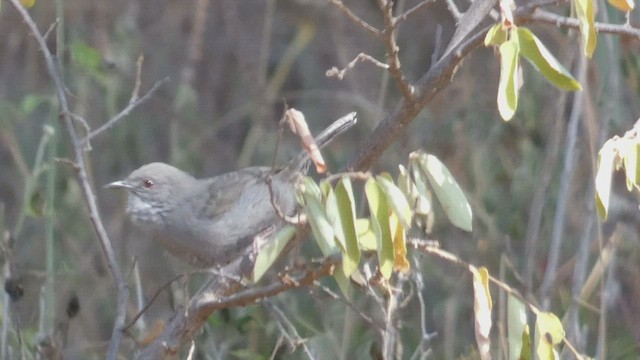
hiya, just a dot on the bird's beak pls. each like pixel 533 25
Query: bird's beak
pixel 118 185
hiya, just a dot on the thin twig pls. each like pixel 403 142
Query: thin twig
pixel 424 246
pixel 453 9
pixel 287 329
pixel 358 21
pixel 136 86
pixel 400 18
pixel 569 22
pixel 124 112
pixel 150 302
pixel 350 304
pixel 393 51
pixel 339 73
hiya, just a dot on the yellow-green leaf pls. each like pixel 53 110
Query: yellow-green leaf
pixel 271 250
pixel 482 310
pixel 535 51
pixel 496 35
pixel 447 191
pixel 549 333
pixel 28 3
pixel 525 354
pixel 344 284
pixel 333 216
pixel 346 213
pixel 586 20
pixel 320 225
pixel 516 322
pixel 603 178
pixel 366 237
pixel 397 200
pixel 622 5
pixel 508 86
pixel 630 152
pixel 400 262
pixel 378 207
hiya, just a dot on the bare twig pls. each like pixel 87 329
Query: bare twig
pixel 413 10
pixel 287 329
pixel 393 51
pixel 83 179
pixel 221 293
pixel 569 22
pixel 136 86
pixel 358 21
pixel 150 302
pixel 124 112
pixel 335 72
pixel 350 304
pixel 424 246
pixel 570 159
pixel 453 9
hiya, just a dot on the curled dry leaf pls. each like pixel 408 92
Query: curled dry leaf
pixel 298 125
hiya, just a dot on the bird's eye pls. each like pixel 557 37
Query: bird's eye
pixel 147 183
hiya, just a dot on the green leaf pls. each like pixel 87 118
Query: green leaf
pixel 516 322
pixel 549 333
pixel 496 35
pixel 508 86
pixel 31 102
pixel 333 216
pixel 629 149
pixel 482 310
pixel 344 284
pixel 271 250
pixel 534 50
pixel 86 57
pixel 379 210
pixel 447 191
pixel 606 157
pixel 397 200
pixel 346 213
pixel 320 225
pixel 586 20
pixel 366 237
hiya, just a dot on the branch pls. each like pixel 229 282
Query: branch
pixel 363 24
pixel 389 39
pixel 222 293
pixel 83 179
pixel 434 81
pixel 133 104
pixel 568 22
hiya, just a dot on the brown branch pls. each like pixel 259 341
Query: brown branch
pixel 357 20
pixel 83 179
pixel 434 81
pixel 221 293
pixel 393 51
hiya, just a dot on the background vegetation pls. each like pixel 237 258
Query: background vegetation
pixel 232 65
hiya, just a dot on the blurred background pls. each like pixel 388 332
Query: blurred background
pixel 232 66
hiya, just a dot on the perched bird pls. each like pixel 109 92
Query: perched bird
pixel 209 222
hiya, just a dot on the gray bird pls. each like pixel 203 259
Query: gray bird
pixel 209 222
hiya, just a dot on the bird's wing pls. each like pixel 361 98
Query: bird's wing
pixel 226 189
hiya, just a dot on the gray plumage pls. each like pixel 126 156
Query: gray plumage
pixel 209 222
